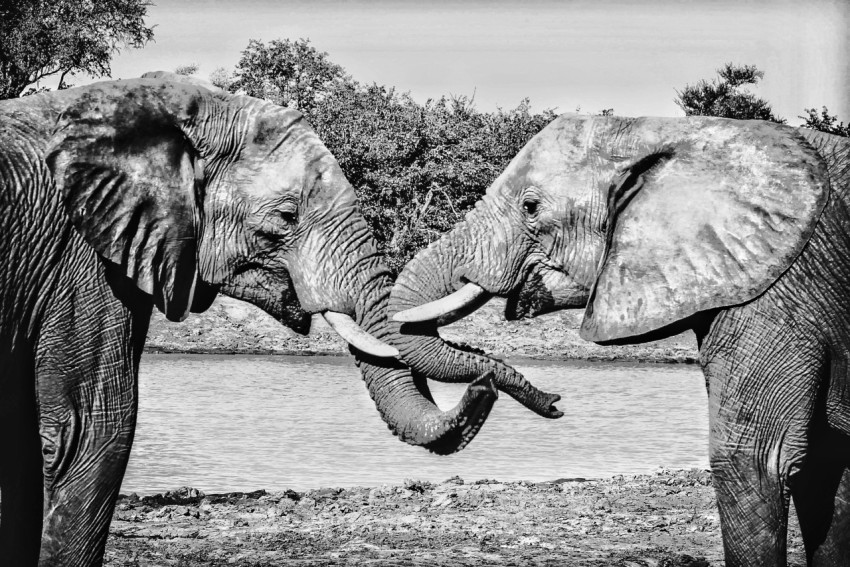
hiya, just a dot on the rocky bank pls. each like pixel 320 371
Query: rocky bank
pixel 662 520
pixel 231 326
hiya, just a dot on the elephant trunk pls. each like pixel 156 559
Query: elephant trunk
pixel 437 271
pixel 402 398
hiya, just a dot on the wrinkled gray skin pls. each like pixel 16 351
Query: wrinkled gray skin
pixel 737 230
pixel 123 195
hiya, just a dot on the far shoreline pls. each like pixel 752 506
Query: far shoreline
pixel 231 327
pixel 637 358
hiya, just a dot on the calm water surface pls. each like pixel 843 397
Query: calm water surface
pixel 225 423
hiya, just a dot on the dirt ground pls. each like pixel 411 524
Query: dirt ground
pixel 668 519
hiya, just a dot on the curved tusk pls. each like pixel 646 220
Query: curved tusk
pixel 346 328
pixel 448 309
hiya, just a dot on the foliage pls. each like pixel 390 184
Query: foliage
pixel 41 38
pixel 288 73
pixel 189 69
pixel 824 122
pixel 221 78
pixel 416 168
pixel 726 97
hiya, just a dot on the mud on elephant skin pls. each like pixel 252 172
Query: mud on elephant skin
pixel 734 229
pixel 124 195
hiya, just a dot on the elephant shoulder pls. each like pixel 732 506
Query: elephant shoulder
pixel 22 148
pixel 835 152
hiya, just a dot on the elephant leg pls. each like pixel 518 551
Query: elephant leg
pixel 763 382
pixel 20 463
pixel 86 371
pixel 822 498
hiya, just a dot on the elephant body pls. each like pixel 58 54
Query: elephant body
pixel 57 309
pixel 737 230
pixel 123 196
pixel 778 375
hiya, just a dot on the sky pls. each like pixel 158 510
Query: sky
pixel 569 55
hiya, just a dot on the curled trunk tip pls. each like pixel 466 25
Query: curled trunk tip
pixel 406 406
pixel 479 397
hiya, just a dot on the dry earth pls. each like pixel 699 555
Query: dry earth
pixel 663 520
pixel 231 326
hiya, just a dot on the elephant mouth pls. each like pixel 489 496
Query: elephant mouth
pixel 530 299
pixel 518 306
pixel 543 291
pixel 292 316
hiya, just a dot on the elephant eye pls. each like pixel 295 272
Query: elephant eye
pixel 289 212
pixel 530 207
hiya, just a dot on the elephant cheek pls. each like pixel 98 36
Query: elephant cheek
pixel 545 290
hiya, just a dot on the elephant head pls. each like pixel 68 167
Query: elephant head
pixel 645 221
pixel 191 192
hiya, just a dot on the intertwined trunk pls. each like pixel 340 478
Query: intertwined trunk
pixel 441 269
pixel 402 397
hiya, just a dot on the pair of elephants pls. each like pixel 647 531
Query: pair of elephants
pixel 121 196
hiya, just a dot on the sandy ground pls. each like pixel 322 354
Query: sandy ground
pixel 663 520
pixel 231 326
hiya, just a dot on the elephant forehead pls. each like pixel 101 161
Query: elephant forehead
pixel 557 180
pixel 539 166
pixel 293 172
pixel 276 177
pixel 556 161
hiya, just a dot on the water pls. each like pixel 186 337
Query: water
pixel 226 423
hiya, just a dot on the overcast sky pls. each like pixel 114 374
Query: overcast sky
pixel 628 55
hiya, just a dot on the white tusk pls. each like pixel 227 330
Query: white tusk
pixel 447 309
pixel 357 337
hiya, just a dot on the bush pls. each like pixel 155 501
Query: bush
pixel 824 122
pixel 725 97
pixel 416 168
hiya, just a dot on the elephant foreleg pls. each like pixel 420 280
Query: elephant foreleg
pixel 86 369
pixel 822 498
pixel 763 381
pixel 20 462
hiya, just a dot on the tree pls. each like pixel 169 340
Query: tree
pixel 726 97
pixel 824 122
pixel 186 70
pixel 221 78
pixel 42 38
pixel 416 168
pixel 288 73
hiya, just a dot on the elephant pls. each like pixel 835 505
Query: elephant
pixel 124 195
pixel 737 230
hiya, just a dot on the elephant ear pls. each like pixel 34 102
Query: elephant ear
pixel 708 218
pixel 127 175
